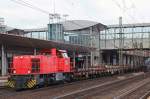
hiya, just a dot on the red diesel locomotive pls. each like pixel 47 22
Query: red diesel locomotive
pixel 51 66
pixel 29 71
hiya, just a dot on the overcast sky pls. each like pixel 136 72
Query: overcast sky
pixel 103 11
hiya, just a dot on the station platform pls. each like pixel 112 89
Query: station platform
pixel 3 80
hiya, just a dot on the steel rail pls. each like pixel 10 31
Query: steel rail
pixel 137 86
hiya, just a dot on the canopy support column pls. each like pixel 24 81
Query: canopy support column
pixel 74 60
pixel 4 63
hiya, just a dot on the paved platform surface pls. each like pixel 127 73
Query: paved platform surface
pixel 3 80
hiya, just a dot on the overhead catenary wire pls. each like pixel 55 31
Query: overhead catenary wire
pixel 51 16
pixel 123 9
pixel 133 18
pixel 24 3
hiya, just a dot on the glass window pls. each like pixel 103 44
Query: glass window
pixel 117 36
pixel 34 34
pixel 111 30
pixel 102 36
pixel 145 35
pixel 102 32
pixel 117 30
pixel 146 29
pixel 138 29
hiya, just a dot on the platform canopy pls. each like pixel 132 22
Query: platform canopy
pixel 24 42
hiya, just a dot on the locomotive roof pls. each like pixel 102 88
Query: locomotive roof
pixel 24 42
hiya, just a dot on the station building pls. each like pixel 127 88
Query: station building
pixel 96 42
pixel 132 34
pixel 75 36
pixel 135 40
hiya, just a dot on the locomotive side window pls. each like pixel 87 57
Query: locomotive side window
pixel 35 65
pixel 59 54
pixel 65 55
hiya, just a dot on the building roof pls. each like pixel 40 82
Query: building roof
pixel 72 25
pixel 36 30
pixel 130 25
pixel 81 24
pixel 8 28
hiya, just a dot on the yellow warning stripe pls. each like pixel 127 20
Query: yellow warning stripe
pixel 8 84
pixel 31 83
pixel 11 83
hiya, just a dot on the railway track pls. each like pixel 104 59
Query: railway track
pixel 146 95
pixel 139 92
pixel 134 92
pixel 103 91
pixel 5 92
pixel 70 91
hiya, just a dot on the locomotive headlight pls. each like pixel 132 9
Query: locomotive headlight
pixel 14 71
pixel 29 71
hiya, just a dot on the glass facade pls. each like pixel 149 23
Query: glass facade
pixel 2 29
pixel 80 37
pixel 108 38
pixel 131 36
pixel 55 32
pixel 38 35
pixel 131 32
